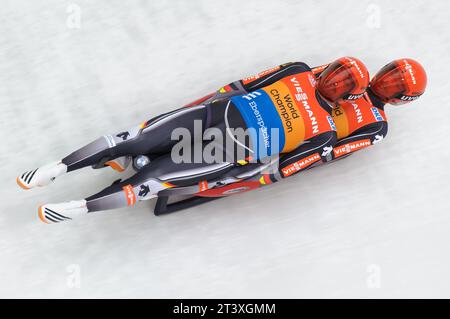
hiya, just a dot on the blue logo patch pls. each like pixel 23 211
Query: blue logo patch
pixel 331 122
pixel 376 114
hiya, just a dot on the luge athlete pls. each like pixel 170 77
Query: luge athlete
pixel 283 100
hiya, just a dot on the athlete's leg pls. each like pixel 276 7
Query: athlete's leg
pixel 153 136
pixel 161 174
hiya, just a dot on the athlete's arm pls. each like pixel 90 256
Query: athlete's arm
pixel 271 76
pixel 310 153
pixel 324 148
pixel 363 137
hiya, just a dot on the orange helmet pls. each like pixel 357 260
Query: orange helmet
pixel 399 82
pixel 345 79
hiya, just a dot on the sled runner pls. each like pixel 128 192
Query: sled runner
pixel 168 203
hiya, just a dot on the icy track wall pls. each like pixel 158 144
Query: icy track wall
pixel 373 225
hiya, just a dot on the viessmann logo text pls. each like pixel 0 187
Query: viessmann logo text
pixel 351 147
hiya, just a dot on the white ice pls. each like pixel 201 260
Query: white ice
pixel 374 225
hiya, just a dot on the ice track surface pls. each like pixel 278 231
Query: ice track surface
pixel 374 225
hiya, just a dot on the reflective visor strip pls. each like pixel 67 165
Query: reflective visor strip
pixel 333 68
pixel 354 75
